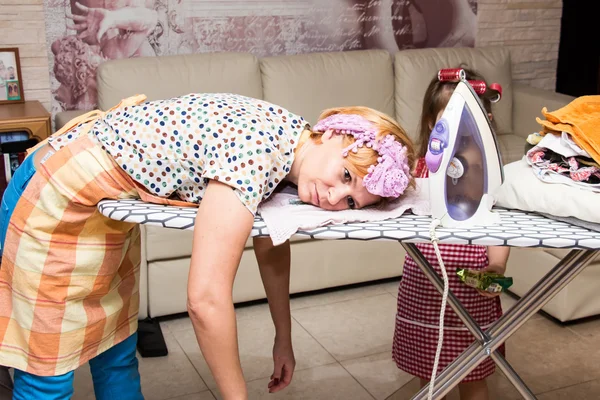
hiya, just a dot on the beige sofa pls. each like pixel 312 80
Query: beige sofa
pixel 307 84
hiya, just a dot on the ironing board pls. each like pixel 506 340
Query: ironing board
pixel 517 229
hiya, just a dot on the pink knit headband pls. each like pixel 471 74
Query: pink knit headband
pixel 391 175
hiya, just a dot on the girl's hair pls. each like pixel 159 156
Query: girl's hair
pixel 365 157
pixel 436 98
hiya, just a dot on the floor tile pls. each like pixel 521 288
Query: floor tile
pixel 255 335
pixel 180 323
pixel 337 295
pixel 588 329
pixel 378 374
pixel 586 390
pixel 82 383
pixel 499 388
pixel 253 311
pixel 183 322
pixel 354 328
pixel 170 376
pixel 549 356
pixel 206 395
pixel 392 287
pixel 330 382
pixel 407 391
pixel 162 377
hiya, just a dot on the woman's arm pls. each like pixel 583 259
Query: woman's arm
pixel 274 264
pixel 223 225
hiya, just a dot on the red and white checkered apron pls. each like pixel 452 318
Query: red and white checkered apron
pixel 419 303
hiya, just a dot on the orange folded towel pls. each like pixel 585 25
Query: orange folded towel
pixel 581 119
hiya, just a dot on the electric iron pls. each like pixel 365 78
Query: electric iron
pixel 465 166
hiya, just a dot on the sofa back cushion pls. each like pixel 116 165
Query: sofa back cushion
pixel 171 76
pixel 414 69
pixel 306 84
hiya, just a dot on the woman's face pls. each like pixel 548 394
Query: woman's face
pixel 326 181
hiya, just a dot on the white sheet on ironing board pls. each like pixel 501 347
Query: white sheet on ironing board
pixel 285 215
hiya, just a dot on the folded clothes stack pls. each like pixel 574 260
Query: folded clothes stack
pixel 559 159
pixel 567 149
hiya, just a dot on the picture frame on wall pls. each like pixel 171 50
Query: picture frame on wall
pixel 11 80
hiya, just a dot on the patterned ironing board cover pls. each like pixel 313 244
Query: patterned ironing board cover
pixel 517 228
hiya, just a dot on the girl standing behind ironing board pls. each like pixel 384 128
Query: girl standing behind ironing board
pixel 69 276
pixel 417 319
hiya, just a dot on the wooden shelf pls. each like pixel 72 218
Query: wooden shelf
pixel 30 116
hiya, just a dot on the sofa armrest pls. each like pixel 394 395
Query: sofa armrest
pixel 63 117
pixel 528 103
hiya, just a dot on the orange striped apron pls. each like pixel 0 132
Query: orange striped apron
pixel 69 277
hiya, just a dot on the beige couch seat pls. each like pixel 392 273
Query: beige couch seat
pixel 307 84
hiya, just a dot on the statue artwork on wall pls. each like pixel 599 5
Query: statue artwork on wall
pixel 82 34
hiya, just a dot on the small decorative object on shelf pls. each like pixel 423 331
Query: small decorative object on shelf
pixel 21 127
pixel 13 153
pixel 11 80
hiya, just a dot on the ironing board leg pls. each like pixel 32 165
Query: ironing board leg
pixel 554 281
pixel 513 377
pixel 473 327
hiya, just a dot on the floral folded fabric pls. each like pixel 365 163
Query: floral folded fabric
pixel 552 167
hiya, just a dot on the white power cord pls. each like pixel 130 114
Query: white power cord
pixel 434 240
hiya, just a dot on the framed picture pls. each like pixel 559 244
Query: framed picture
pixel 11 80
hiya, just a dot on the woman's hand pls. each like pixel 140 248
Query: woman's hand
pixel 284 364
pixel 274 264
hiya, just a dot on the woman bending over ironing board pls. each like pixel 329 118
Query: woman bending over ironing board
pixel 69 276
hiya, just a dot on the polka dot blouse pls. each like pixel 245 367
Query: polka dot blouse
pixel 173 147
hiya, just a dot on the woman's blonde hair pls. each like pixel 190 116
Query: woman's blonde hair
pixel 365 157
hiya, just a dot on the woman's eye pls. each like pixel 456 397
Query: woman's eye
pixel 347 176
pixel 351 203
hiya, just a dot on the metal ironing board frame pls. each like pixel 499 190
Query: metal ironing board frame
pixel 517 229
pixel 488 342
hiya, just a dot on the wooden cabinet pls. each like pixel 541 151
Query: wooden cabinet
pixel 30 116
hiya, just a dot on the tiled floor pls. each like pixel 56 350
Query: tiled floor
pixel 342 341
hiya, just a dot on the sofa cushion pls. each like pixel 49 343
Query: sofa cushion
pixel 171 76
pixel 414 69
pixel 558 253
pixel 561 253
pixel 169 244
pixel 307 84
pixel 512 147
pixel 63 117
pixel 578 299
pixel 316 264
